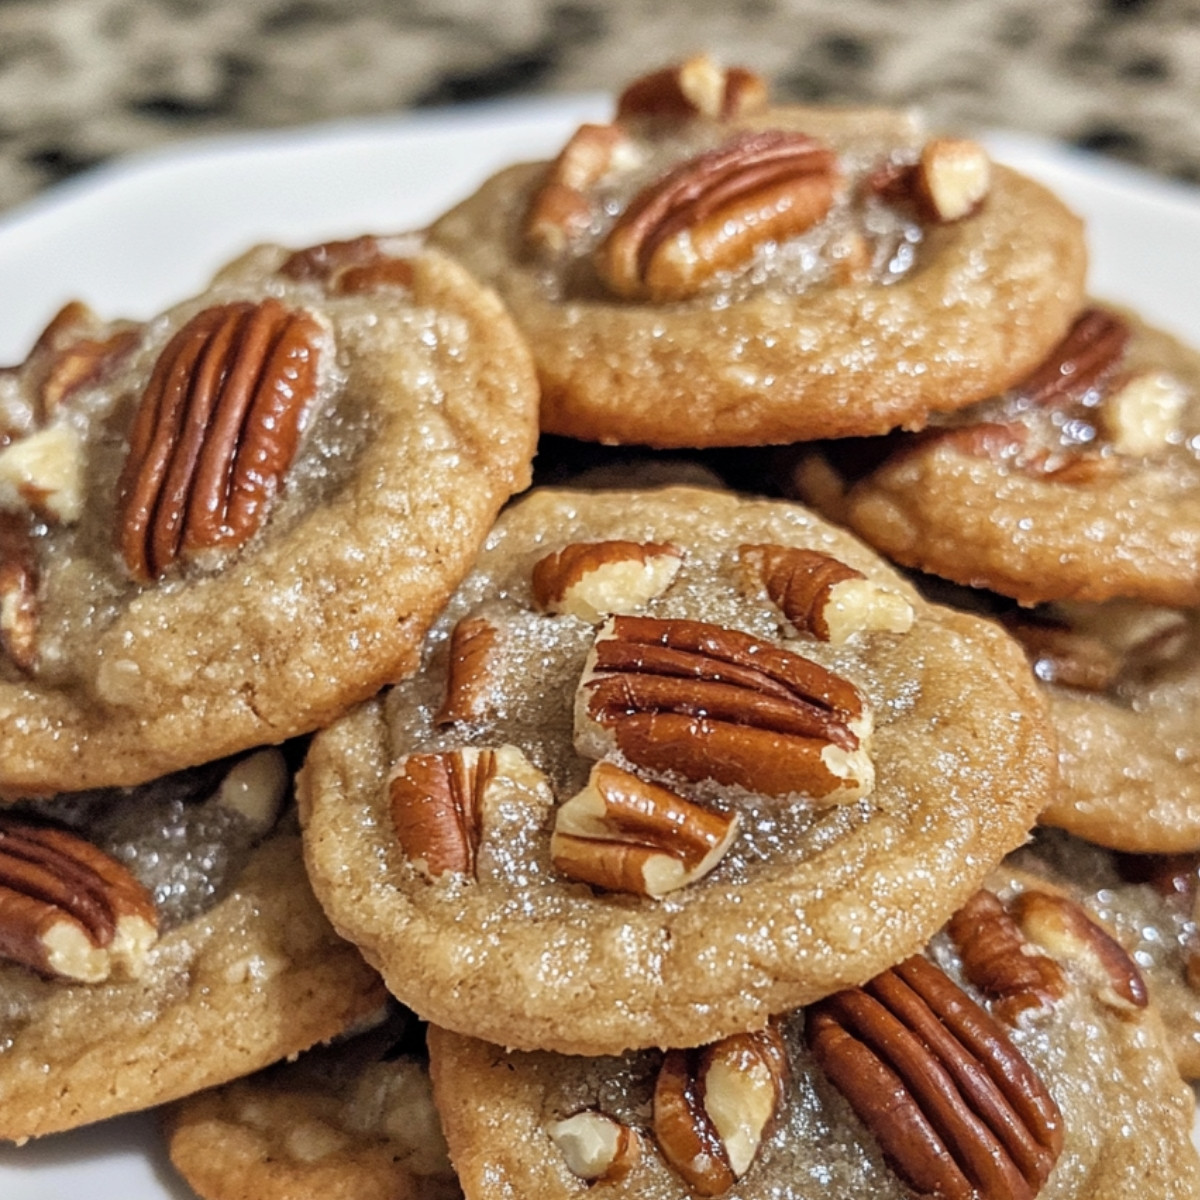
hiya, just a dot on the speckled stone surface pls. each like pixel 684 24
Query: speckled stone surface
pixel 82 81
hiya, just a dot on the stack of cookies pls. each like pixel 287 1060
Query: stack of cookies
pixel 716 854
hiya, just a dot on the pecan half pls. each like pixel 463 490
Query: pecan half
pixel 713 1104
pixel 712 212
pixel 439 803
pixel 1063 929
pixel 624 834
pixel 67 909
pixel 216 430
pixel 697 87
pixel 468 675
pixel 561 209
pixel 359 264
pixel 956 1109
pixel 590 580
pixel 595 1146
pixel 999 960
pixel 705 702
pixel 1085 358
pixel 820 595
pixel 18 590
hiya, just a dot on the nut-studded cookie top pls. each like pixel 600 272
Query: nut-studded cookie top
pixel 707 270
pixel 1082 482
pixel 222 527
pixel 930 1079
pixel 150 939
pixel 674 761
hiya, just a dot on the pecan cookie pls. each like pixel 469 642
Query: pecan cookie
pixel 353 1120
pixel 1006 1062
pixel 707 270
pixel 1149 902
pixel 1123 682
pixel 1080 483
pixel 160 941
pixel 221 528
pixel 675 761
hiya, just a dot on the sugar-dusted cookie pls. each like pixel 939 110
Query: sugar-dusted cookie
pixel 160 941
pixel 221 528
pixel 1014 1059
pixel 1123 681
pixel 1081 482
pixel 674 761
pixel 1149 904
pixel 708 270
pixel 353 1120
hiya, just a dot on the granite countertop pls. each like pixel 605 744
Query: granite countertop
pixel 83 81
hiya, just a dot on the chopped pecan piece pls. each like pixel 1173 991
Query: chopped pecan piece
pixel 820 595
pixel 956 1109
pixel 949 181
pixel 1063 929
pixel 68 909
pixel 357 265
pixel 216 430
pixel 590 580
pixel 705 702
pixel 561 209
pixel 18 590
pixel 713 1104
pixel 697 87
pixel 712 212
pixel 624 834
pixel 999 960
pixel 439 803
pixel 596 1147
pixel 468 675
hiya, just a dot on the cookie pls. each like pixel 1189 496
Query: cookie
pixel 708 270
pixel 948 1074
pixel 1123 682
pixel 1148 903
pixel 225 526
pixel 159 942
pixel 353 1120
pixel 771 773
pixel 1080 483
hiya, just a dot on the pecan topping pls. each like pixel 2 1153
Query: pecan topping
pixel 589 580
pixel 949 181
pixel 822 596
pixel 18 590
pixel 216 430
pixel 439 803
pixel 561 210
pixel 956 1109
pixel 1065 656
pixel 624 834
pixel 713 211
pixel 713 1104
pixel 706 702
pixel 66 908
pixel 1085 358
pixel 697 87
pixel 358 265
pixel 1063 929
pixel 467 675
pixel 999 960
pixel 596 1146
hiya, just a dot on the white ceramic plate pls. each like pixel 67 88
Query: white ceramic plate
pixel 131 238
